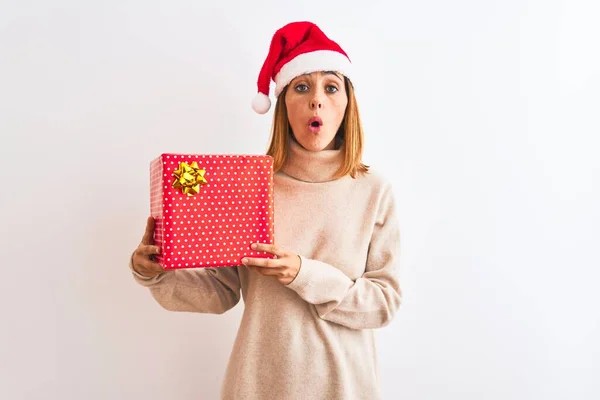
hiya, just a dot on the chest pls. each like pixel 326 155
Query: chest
pixel 333 226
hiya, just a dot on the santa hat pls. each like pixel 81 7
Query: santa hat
pixel 297 48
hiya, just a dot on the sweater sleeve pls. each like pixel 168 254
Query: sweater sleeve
pixel 370 301
pixel 202 290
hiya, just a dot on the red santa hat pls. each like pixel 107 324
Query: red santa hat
pixel 297 48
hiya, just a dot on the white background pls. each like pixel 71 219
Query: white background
pixel 485 115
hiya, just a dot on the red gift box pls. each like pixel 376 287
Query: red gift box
pixel 209 209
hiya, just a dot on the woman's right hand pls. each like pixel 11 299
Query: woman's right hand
pixel 143 263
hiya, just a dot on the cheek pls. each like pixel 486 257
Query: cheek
pixel 339 107
pixel 293 106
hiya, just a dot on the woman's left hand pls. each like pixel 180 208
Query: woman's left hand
pixel 285 266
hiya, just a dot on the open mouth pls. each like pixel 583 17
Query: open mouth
pixel 315 123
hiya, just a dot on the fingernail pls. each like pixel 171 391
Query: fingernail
pixel 158 250
pixel 245 261
pixel 254 246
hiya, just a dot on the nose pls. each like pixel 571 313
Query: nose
pixel 316 103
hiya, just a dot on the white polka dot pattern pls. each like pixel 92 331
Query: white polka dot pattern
pixel 215 227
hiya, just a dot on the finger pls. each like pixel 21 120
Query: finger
pixel 261 262
pixel 149 266
pixel 269 248
pixel 147 273
pixel 149 234
pixel 148 250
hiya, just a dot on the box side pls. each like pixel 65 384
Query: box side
pixel 157 205
pixel 267 203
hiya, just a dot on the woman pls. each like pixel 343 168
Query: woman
pixel 307 330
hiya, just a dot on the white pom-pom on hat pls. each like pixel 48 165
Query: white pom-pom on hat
pixel 261 103
pixel 297 48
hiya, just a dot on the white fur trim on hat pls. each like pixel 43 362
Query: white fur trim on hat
pixel 320 60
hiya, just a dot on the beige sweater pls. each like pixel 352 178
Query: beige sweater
pixel 314 338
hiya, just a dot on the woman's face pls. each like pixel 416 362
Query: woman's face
pixel 316 104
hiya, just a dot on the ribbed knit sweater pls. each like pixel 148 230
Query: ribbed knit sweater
pixel 313 338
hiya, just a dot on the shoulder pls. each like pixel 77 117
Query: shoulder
pixel 377 181
pixel 381 190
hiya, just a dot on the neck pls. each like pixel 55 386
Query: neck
pixel 312 166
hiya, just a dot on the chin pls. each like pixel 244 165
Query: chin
pixel 314 143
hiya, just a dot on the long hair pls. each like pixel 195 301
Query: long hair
pixel 350 132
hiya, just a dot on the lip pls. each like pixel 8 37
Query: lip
pixel 313 128
pixel 315 119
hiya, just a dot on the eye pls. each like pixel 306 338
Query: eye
pixel 332 89
pixel 301 87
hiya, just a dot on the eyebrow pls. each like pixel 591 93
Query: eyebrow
pixel 331 73
pixel 324 73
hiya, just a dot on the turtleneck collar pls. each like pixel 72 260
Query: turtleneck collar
pixel 311 166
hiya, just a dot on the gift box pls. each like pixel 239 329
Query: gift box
pixel 209 209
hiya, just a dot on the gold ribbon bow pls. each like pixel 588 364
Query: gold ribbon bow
pixel 188 178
